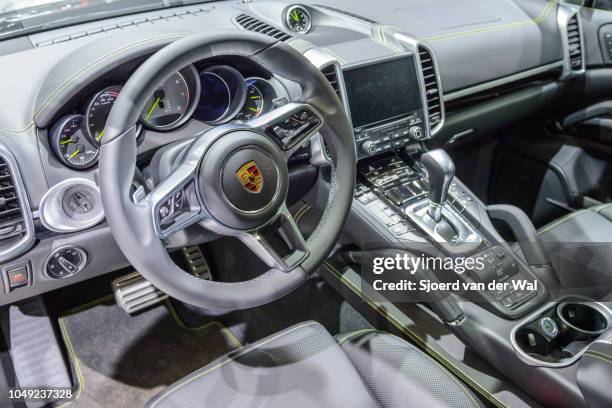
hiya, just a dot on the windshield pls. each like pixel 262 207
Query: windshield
pixel 20 17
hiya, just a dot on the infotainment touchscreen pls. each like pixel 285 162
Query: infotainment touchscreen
pixel 381 92
pixel 385 104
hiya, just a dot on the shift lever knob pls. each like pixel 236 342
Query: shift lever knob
pixel 440 172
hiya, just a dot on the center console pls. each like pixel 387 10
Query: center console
pixel 422 206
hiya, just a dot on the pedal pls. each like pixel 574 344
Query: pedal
pixel 133 293
pixel 198 266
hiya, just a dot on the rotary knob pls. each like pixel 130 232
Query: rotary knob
pixel 416 133
pixel 369 147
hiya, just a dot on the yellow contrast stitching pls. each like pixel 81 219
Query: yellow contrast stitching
pixel 413 336
pixel 228 333
pixel 358 332
pixel 600 354
pixel 602 207
pixel 518 24
pixel 94 63
pixel 70 348
pixel 561 221
pixel 224 362
pixel 365 331
pixel 47 101
pixel 303 211
pixel 598 357
pixel 302 208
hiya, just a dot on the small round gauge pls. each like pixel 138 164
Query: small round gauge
pixel 298 19
pixel 260 94
pixel 169 105
pixel 71 144
pixel 98 110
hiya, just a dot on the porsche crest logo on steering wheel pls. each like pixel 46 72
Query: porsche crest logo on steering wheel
pixel 250 177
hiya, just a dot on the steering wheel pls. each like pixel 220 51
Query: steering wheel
pixel 233 179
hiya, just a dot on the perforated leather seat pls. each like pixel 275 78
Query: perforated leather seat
pixel 304 366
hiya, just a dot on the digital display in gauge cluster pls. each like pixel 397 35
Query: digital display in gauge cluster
pixel 214 95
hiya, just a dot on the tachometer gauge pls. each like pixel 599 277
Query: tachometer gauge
pixel 259 99
pixel 98 110
pixel 168 105
pixel 298 19
pixel 71 145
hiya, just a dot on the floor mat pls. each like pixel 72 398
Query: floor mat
pixel 123 361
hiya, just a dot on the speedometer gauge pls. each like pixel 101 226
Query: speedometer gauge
pixel 70 144
pixel 169 103
pixel 98 110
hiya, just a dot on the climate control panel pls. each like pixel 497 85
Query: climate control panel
pixel 390 136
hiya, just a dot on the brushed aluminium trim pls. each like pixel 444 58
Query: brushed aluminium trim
pixel 414 45
pixel 532 361
pixel 564 14
pixel 27 240
pixel 502 81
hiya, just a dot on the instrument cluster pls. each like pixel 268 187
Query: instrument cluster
pixel 214 95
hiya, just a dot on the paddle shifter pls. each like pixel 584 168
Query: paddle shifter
pixel 440 172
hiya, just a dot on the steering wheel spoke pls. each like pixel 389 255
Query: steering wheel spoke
pixel 175 203
pixel 285 232
pixel 290 126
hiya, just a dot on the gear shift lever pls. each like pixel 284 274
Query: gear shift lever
pixel 440 172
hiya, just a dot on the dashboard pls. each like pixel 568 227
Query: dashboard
pixel 407 75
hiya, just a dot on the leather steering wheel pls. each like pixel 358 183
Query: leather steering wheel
pixel 233 179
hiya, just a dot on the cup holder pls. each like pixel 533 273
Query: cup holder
pixel 558 334
pixel 588 319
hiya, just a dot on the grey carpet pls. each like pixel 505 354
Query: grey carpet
pixel 125 360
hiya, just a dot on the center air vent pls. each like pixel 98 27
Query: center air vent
pixel 433 94
pixel 12 223
pixel 574 43
pixel 331 74
pixel 252 24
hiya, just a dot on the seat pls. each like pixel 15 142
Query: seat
pixel 304 366
pixel 580 249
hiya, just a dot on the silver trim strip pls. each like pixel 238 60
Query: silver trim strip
pixel 26 242
pixel 502 81
pixel 414 45
pixel 532 361
pixel 52 214
pixel 564 14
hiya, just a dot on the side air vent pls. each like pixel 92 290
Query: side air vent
pixel 433 94
pixel 574 43
pixel 348 13
pixel 16 225
pixel 252 24
pixel 11 215
pixel 332 77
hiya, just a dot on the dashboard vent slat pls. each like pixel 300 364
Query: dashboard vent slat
pixel 432 88
pixel 11 216
pixel 332 77
pixel 574 43
pixel 252 24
